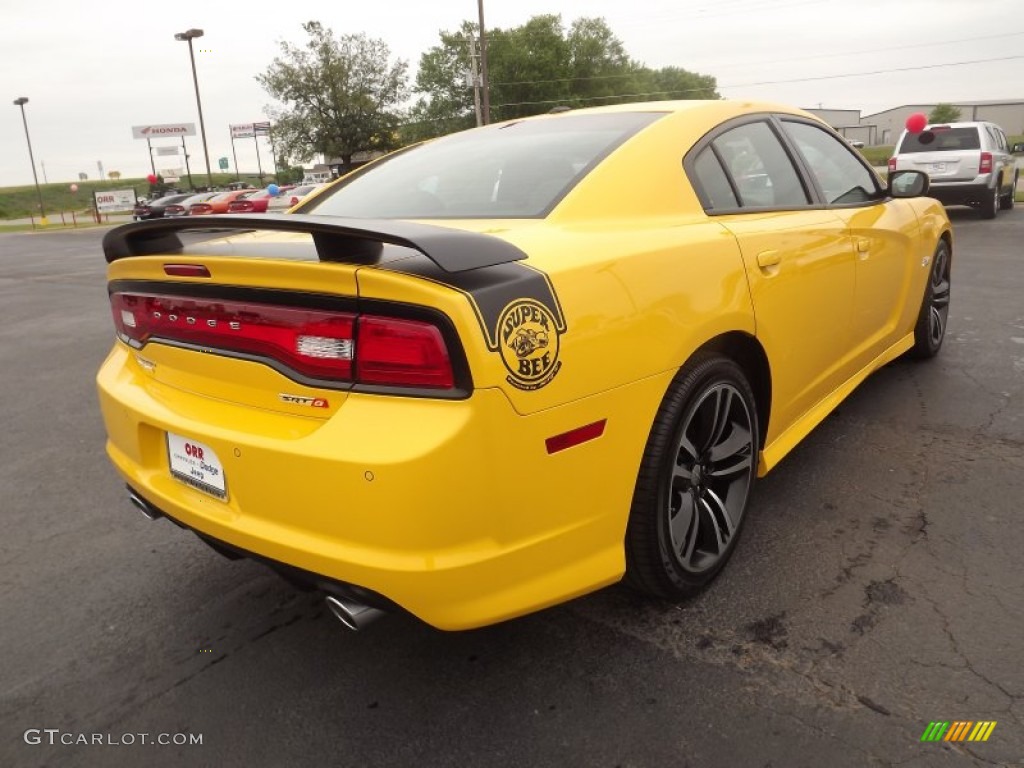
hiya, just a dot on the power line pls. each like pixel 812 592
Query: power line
pixel 767 82
pixel 774 61
pixel 875 50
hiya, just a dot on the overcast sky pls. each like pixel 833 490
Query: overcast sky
pixel 92 70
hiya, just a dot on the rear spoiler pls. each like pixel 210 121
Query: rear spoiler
pixel 348 241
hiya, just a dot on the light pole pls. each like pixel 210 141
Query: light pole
pixel 187 36
pixel 21 101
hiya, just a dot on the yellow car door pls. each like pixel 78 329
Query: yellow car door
pixel 882 235
pixel 799 264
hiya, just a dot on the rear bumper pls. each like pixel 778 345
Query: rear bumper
pixel 453 510
pixel 961 193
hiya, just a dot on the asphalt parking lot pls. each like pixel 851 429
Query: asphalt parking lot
pixel 878 588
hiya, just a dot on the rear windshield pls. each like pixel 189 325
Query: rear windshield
pixel 940 140
pixel 511 170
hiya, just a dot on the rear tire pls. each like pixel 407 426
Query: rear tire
pixel 930 330
pixel 1006 203
pixel 695 480
pixel 990 205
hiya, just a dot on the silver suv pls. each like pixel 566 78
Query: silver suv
pixel 968 164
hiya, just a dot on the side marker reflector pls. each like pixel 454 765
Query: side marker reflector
pixel 575 436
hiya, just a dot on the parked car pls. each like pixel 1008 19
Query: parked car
pixel 519 363
pixel 155 209
pixel 218 203
pixel 252 203
pixel 288 199
pixel 182 207
pixel 968 163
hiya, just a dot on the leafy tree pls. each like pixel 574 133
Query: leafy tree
pixel 341 95
pixel 944 113
pixel 535 67
pixel 114 175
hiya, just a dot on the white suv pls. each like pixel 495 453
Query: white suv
pixel 968 164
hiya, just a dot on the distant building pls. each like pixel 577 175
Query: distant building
pixel 846 121
pixel 883 128
pixel 1008 115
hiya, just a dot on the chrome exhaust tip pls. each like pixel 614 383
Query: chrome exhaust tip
pixel 143 506
pixel 353 615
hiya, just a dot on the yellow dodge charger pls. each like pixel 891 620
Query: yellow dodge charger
pixel 510 366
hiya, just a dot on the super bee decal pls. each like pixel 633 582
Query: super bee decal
pixel 528 340
pixel 518 312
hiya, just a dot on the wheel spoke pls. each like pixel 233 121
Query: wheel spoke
pixel 724 524
pixel 720 416
pixel 709 514
pixel 740 466
pixel 683 527
pixel 735 444
pixel 684 473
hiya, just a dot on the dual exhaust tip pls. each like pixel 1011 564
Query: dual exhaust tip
pixel 351 613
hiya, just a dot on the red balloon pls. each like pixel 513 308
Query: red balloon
pixel 916 122
pixel 151 179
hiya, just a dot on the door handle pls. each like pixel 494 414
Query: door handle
pixel 767 259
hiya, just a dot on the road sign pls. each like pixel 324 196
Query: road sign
pixel 223 163
pixel 242 131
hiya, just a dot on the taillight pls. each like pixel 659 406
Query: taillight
pixel 319 344
pixel 892 164
pixel 295 201
pixel 986 163
pixel 240 207
pixel 403 353
pixel 175 209
pixel 313 343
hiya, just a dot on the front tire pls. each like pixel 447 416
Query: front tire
pixel 694 481
pixel 930 330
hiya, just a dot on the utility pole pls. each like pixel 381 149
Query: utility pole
pixel 473 73
pixel 483 66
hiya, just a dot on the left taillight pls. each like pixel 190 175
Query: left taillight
pixel 324 345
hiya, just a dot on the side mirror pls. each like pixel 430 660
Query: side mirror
pixel 908 184
pixel 1017 148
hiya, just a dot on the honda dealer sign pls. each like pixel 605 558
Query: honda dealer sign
pixel 172 130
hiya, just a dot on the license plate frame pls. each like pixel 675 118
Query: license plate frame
pixel 197 465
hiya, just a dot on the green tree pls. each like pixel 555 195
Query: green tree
pixel 944 113
pixel 341 95
pixel 535 67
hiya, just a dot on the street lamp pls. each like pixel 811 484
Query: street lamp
pixel 21 101
pixel 187 36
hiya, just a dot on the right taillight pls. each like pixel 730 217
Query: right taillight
pixel 240 207
pixel 892 164
pixel 397 352
pixel 985 166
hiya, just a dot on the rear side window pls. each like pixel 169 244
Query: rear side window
pixel 713 182
pixel 940 139
pixel 759 167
